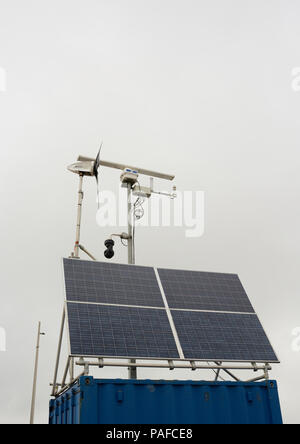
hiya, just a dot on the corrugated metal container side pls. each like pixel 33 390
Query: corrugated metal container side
pixel 103 401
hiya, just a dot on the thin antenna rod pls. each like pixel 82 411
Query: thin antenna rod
pixel 35 374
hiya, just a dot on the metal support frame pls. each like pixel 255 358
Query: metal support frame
pixel 172 365
pixel 226 370
pixel 72 369
pixel 55 385
pixel 217 367
pixel 67 386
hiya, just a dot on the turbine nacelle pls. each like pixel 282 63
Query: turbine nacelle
pixel 83 168
pixel 86 166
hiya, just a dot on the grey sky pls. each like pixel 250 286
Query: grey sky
pixel 202 89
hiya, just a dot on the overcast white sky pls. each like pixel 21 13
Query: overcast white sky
pixel 200 88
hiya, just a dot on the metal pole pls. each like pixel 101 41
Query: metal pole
pixel 32 412
pixel 132 371
pixel 72 369
pixel 79 212
pixel 59 351
pixel 131 258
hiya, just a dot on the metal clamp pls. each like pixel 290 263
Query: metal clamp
pixel 171 365
pixel 193 365
pixel 254 365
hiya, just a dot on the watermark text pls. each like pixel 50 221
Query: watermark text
pixel 296 340
pixel 185 211
pixel 296 79
pixel 2 339
pixel 3 80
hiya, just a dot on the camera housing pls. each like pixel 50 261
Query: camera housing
pixel 109 252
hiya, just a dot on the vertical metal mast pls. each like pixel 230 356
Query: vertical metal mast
pixel 79 212
pixel 35 374
pixel 132 371
pixel 131 255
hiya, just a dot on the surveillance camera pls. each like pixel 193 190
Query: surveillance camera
pixel 109 253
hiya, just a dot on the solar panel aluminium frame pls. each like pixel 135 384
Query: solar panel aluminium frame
pixel 166 309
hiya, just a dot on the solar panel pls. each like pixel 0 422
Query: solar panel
pixel 222 337
pixel 109 331
pixel 128 311
pixel 103 282
pixel 204 291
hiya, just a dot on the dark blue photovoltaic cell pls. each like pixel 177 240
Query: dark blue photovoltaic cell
pixel 101 282
pixel 222 337
pixel 109 331
pixel 193 290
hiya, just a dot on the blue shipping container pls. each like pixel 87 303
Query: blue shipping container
pixel 104 401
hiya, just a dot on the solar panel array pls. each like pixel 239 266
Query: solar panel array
pixel 128 311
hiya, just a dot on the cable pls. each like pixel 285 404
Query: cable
pixel 137 216
pixel 139 205
pixel 123 243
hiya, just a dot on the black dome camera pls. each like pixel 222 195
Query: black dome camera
pixel 109 253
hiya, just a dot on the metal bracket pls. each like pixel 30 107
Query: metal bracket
pixel 171 365
pixel 266 372
pixel 193 365
pixel 254 366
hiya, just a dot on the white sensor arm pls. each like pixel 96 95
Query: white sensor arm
pixel 123 236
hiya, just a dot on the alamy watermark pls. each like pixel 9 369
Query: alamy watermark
pixel 296 79
pixel 3 80
pixel 296 340
pixel 185 211
pixel 2 339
